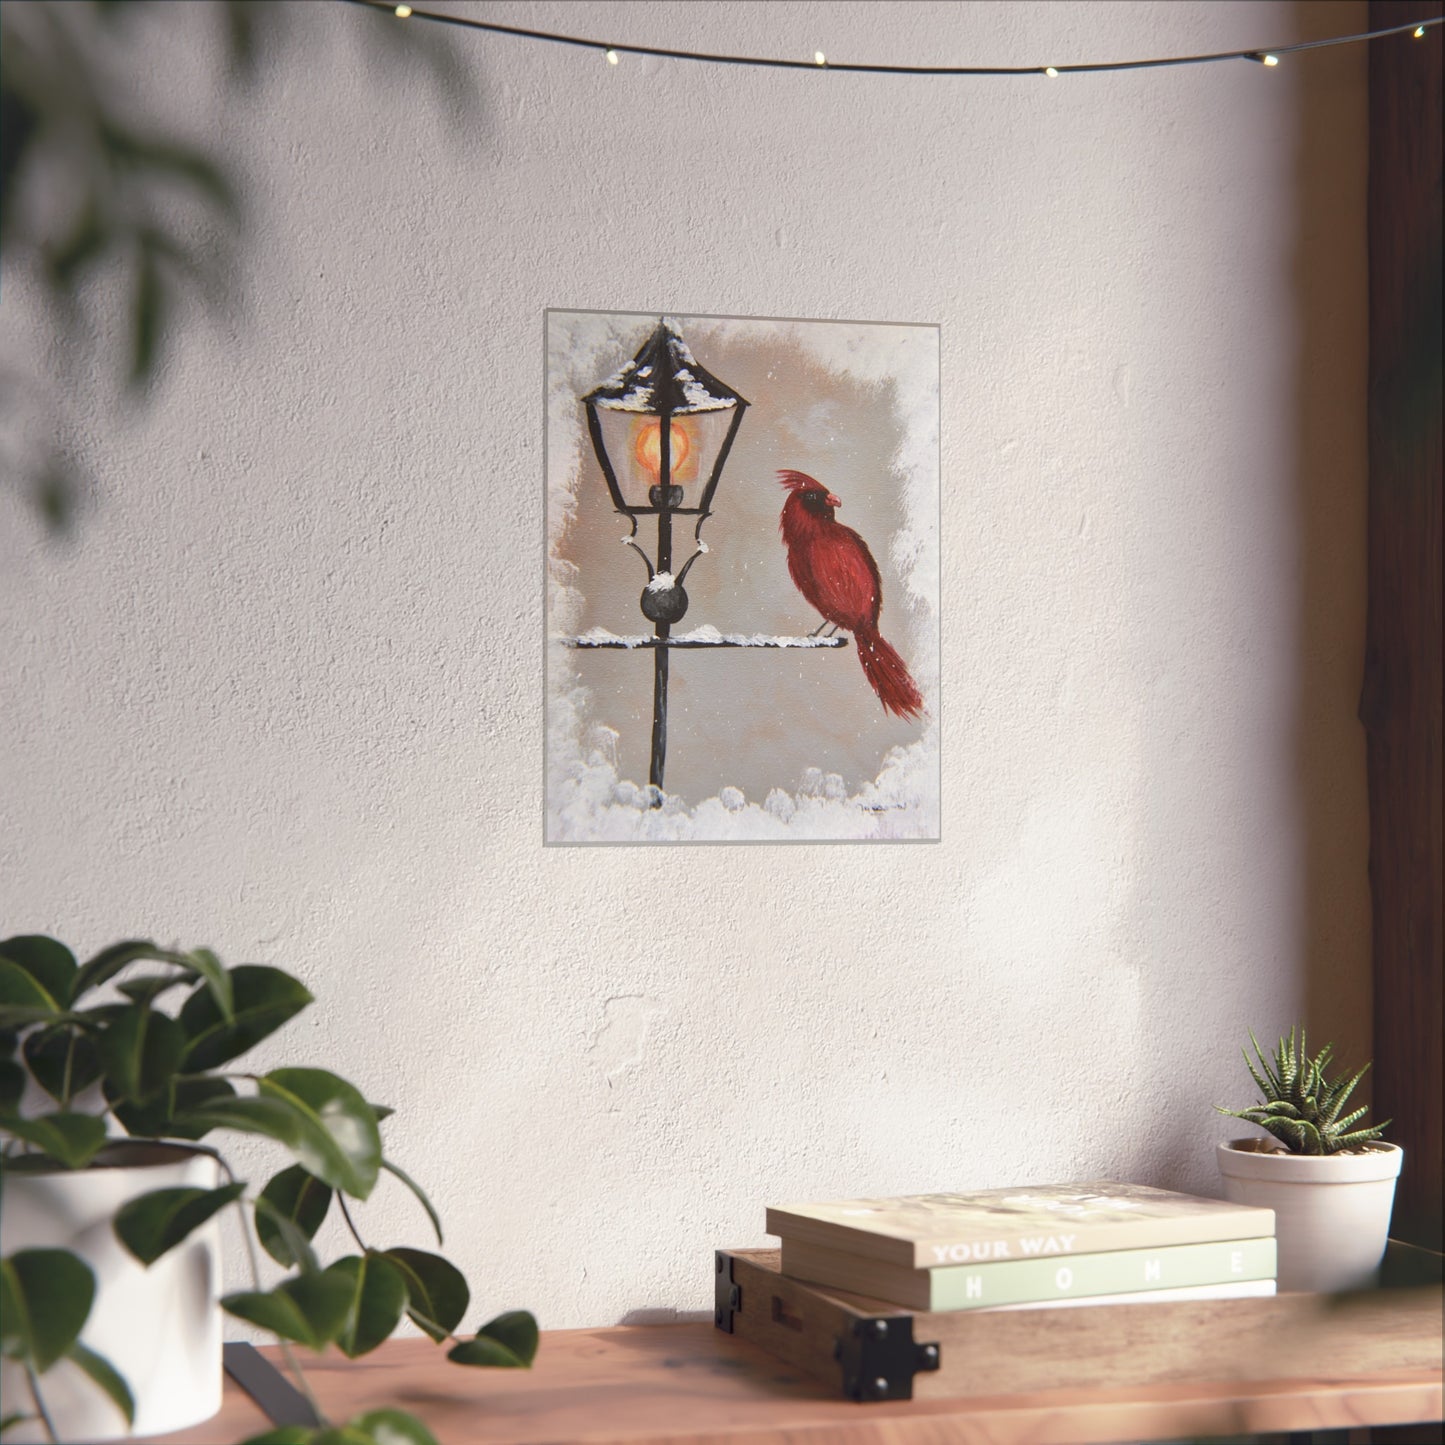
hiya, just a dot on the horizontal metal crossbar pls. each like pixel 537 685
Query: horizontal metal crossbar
pixel 630 643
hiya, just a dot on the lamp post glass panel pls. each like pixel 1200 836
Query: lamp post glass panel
pixel 662 428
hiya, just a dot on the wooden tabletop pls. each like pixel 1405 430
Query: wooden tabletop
pixel 694 1385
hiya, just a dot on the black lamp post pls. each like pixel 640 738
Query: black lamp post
pixel 662 428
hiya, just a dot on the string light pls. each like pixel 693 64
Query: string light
pixel 612 57
pixel 1260 56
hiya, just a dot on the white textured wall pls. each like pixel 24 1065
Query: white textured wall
pixel 283 692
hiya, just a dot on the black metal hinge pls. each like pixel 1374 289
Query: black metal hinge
pixel 727 1296
pixel 880 1358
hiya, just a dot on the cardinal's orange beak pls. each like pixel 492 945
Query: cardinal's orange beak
pixel 833 501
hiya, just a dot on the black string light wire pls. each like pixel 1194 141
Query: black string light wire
pixel 613 50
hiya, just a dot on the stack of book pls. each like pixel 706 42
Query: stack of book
pixel 1026 1248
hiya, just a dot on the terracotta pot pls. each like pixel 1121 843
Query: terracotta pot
pixel 160 1327
pixel 1331 1211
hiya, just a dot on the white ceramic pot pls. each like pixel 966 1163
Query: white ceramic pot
pixel 1331 1211
pixel 160 1327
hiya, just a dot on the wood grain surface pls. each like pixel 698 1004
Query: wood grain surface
pixel 670 1384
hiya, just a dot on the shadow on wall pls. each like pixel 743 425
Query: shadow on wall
pixel 1331 305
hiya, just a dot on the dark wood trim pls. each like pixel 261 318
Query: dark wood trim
pixel 1401 698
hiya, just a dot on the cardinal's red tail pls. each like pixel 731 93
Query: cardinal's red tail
pixel 888 675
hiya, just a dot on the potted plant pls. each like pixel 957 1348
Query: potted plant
pixel 113 1084
pixel 1331 1185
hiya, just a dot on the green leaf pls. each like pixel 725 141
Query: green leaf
pixel 416 1189
pixel 179 161
pixel 147 316
pixel 73 1139
pixel 23 999
pixel 12 1086
pixel 507 1342
pixel 151 1224
pixel 284 1435
pixel 392 1427
pixel 148 989
pixel 378 1296
pixel 45 1299
pixel 187 1094
pixel 64 1060
pixel 86 240
pixel 341 1435
pixel 382 1111
pixel 289 1236
pixel 298 1197
pixel 340 1143
pixel 210 968
pixel 437 1293
pixel 104 1374
pixel 333 1146
pixel 158 1118
pixel 109 962
pixel 14 1323
pixel 264 998
pixel 142 1051
pixel 310 1310
pixel 11 1421
pixel 50 964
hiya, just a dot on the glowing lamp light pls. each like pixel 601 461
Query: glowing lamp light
pixel 402 11
pixel 1419 32
pixel 1051 72
pixel 647 450
pixel 612 57
pixel 1271 60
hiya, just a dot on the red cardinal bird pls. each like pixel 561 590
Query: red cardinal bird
pixel 833 568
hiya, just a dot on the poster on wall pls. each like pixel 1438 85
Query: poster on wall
pixel 742 589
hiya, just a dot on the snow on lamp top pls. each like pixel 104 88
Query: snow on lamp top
pixel 664 379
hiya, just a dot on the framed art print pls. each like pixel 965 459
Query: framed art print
pixel 742 580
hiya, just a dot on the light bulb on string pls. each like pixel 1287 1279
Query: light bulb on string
pixel 1260 57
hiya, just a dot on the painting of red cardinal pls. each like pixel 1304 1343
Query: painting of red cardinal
pixel 832 567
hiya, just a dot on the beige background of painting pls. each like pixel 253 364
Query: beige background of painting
pixel 756 719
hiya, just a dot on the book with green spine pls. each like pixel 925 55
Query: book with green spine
pixel 923 1231
pixel 1034 1281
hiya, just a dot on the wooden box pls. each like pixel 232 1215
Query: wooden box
pixel 871 1350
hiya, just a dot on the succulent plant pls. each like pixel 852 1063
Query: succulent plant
pixel 1301 1107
